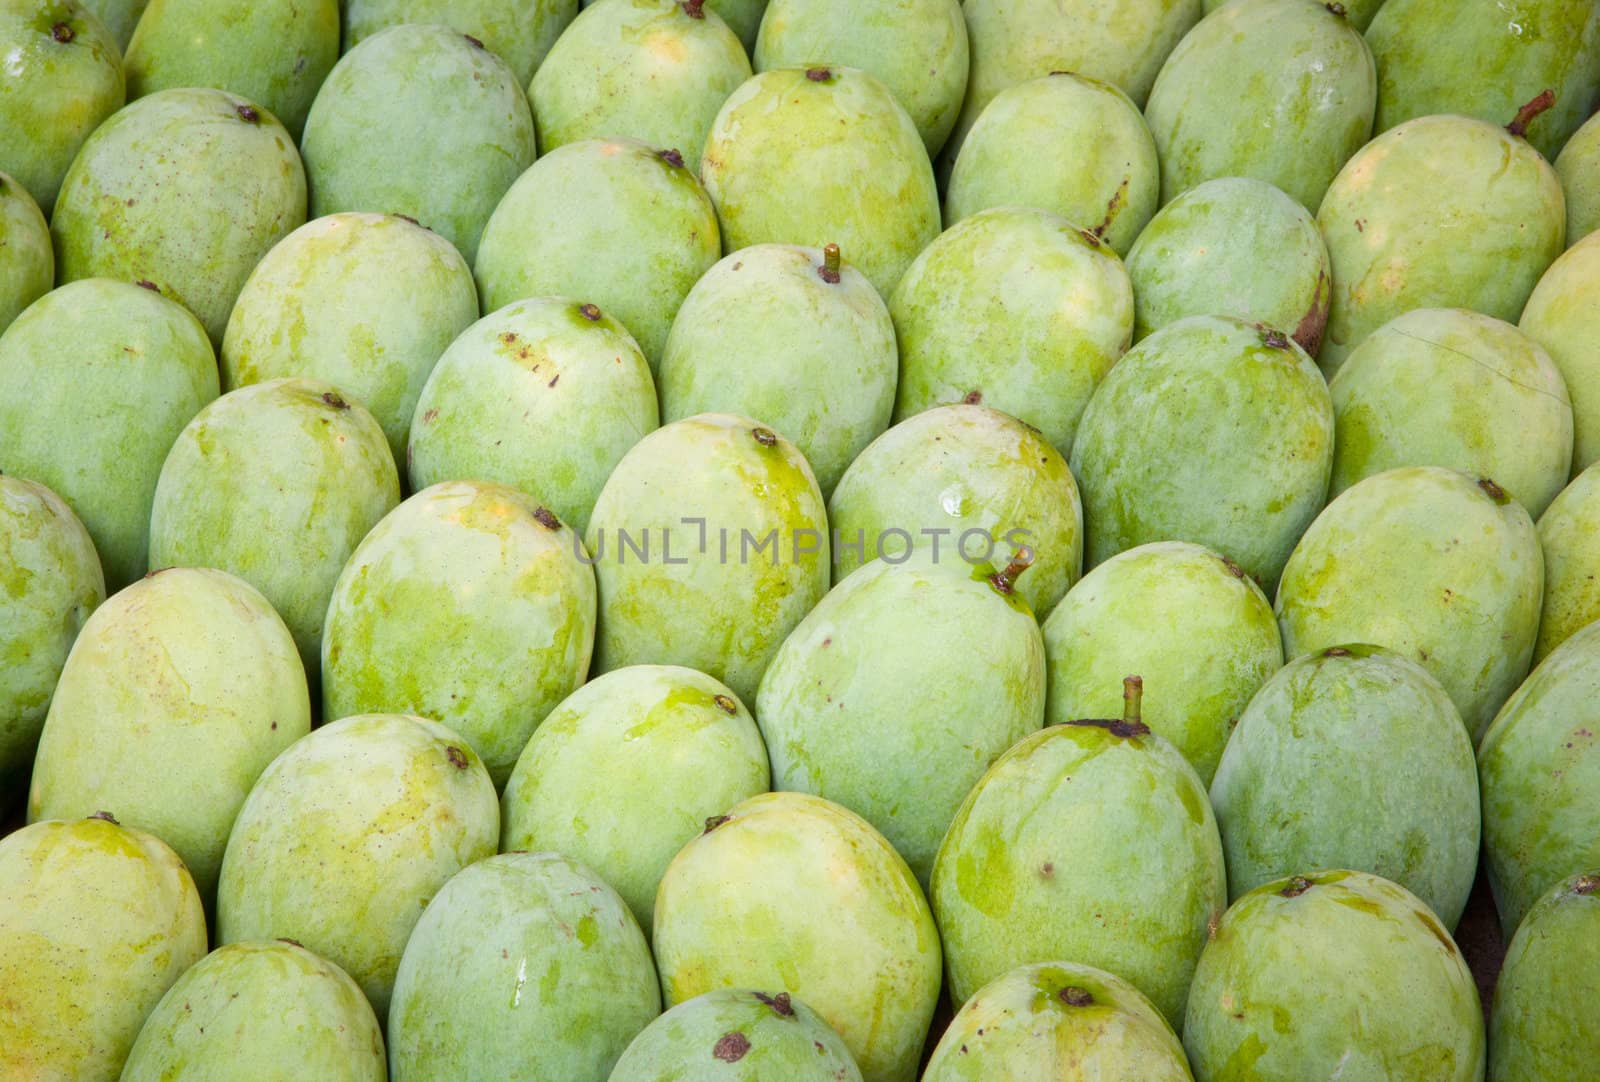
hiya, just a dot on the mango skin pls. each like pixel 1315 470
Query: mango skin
pixel 523 964
pixel 276 483
pixel 797 159
pixel 896 693
pixel 1152 466
pixel 120 16
pixel 1544 1016
pixel 1561 316
pixel 366 302
pixel 1232 246
pixel 348 834
pixel 1186 620
pixel 741 906
pixel 612 222
pixel 963 471
pixel 96 923
pixel 50 585
pixel 1426 562
pixel 710 543
pixel 783 1038
pixel 28 268
pixel 640 69
pixel 521 34
pixel 420 121
pixel 762 334
pixel 627 770
pixel 1359 12
pixel 96 381
pixel 1033 1022
pixel 1578 166
pixel 467 605
pixel 1439 212
pixel 1449 387
pixel 1016 308
pixel 1353 974
pixel 1567 531
pixel 742 16
pixel 273 1005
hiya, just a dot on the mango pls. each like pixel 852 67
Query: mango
pixel 521 34
pixel 1578 167
pixel 120 16
pixel 1561 317
pixel 29 269
pixel 1571 563
pixel 1544 1017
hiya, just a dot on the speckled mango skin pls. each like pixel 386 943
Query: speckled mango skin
pixel 782 1038
pixel 953 469
pixel 1280 90
pixel 1018 307
pixel 177 694
pixel 120 16
pixel 1232 246
pixel 898 691
pixel 55 93
pixel 420 121
pixel 1562 317
pixel 1211 430
pixel 96 922
pixel 612 222
pixel 686 490
pixel 274 1006
pixel 793 159
pixel 348 834
pixel 521 34
pixel 465 605
pixel 628 769
pixel 916 48
pixel 1578 167
pixel 1425 562
pixel 276 483
pixel 1352 757
pixel 742 16
pixel 1189 622
pixel 793 893
pixel 1449 387
pixel 764 335
pixel 1352 979
pixel 366 302
pixel 1439 212
pixel 538 396
pixel 50 582
pixel 1545 1002
pixel 1358 12
pixel 640 69
pixel 1517 52
pixel 96 380
pixel 525 964
pixel 1567 531
pixel 1085 844
pixel 27 261
pixel 1034 1022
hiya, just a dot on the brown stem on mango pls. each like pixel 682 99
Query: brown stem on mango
pixel 671 157
pixel 1586 884
pixel 1493 491
pixel 1132 699
pixel 1336 9
pixel 818 75
pixel 1296 887
pixel 1073 996
pixel 829 271
pixel 62 33
pixel 1005 582
pixel 107 816
pixel 695 9
pixel 1526 115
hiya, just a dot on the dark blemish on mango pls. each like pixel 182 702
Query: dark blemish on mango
pixel 546 518
pixel 726 704
pixel 457 757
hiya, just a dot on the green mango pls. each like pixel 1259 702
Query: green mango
pixel 421 121
pixel 348 834
pixel 186 189
pixel 273 1008
pixel 794 337
pixel 96 381
pixel 1437 566
pixel 1333 974
pixel 520 33
pixel 1449 387
pixel 545 395
pixel 742 16
pixel 1562 317
pixel 652 70
pixel 1232 246
pixel 120 16
pixel 916 48
pixel 628 769
pixel 1280 90
pixel 274 52
pixel 96 923
pixel 740 507
pixel 366 302
pixel 1211 430
pixel 1567 530
pixel 1578 167
pixel 276 483
pixel 1060 1021
pixel 63 78
pixel 743 906
pixel 896 693
pixel 1440 212
pixel 752 1036
pixel 1018 309
pixel 1190 622
pixel 1545 1016
pixel 29 268
pixel 525 965
pixel 1516 52
pixel 822 155
pixel 611 221
pixel 1358 12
